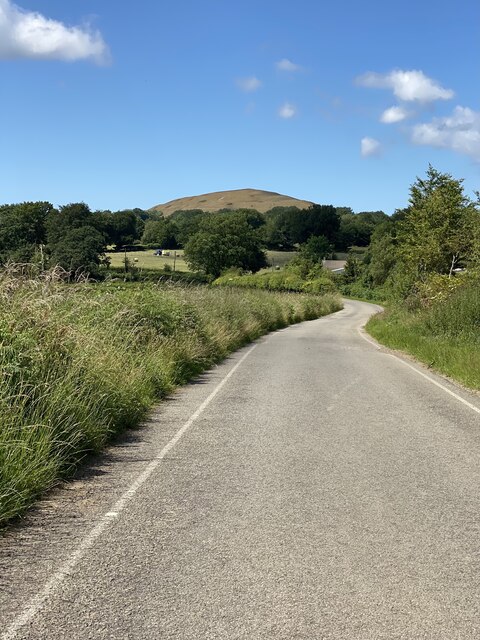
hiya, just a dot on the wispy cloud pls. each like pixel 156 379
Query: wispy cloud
pixel 393 115
pixel 370 147
pixel 249 85
pixel 28 34
pixel 459 132
pixel 287 65
pixel 407 85
pixel 287 111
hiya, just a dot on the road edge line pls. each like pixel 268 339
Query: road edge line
pixel 378 346
pixel 38 601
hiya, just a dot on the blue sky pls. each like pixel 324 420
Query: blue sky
pixel 124 104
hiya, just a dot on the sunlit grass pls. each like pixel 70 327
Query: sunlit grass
pixel 147 259
pixel 79 363
pixel 445 336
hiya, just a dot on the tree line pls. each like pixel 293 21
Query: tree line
pixel 76 238
pixel 416 252
pixel 280 228
pixel 70 236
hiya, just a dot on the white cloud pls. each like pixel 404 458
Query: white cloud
pixel 27 34
pixel 249 85
pixel 287 111
pixel 459 132
pixel 287 65
pixel 370 147
pixel 394 114
pixel 407 85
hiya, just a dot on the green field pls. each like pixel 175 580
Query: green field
pixel 280 258
pixel 147 259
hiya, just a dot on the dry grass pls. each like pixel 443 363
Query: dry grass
pixel 236 199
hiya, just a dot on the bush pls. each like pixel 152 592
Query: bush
pixel 300 275
pixel 436 288
pixel 457 313
pixel 319 285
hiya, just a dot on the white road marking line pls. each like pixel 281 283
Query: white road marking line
pixel 362 334
pixel 108 518
pixel 437 384
pixel 424 375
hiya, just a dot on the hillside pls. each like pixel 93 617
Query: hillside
pixel 235 199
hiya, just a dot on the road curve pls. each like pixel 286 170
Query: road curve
pixel 312 487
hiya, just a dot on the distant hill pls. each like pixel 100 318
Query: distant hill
pixel 237 199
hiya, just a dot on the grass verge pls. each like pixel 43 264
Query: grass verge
pixel 444 336
pixel 80 363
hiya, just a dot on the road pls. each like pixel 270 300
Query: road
pixel 313 486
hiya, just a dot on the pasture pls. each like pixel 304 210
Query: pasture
pixel 147 259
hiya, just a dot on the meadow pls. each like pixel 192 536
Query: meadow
pixel 82 362
pixel 147 259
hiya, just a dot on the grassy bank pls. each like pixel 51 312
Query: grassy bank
pixel 298 277
pixel 157 276
pixel 445 335
pixel 79 363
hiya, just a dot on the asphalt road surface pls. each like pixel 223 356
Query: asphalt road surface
pixel 313 486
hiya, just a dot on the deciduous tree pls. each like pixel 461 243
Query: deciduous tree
pixel 224 241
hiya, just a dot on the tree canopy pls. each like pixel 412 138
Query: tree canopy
pixel 80 250
pixel 437 233
pixel 224 241
pixel 160 233
pixel 22 230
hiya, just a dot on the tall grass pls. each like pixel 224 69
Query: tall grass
pixel 319 281
pixel 79 363
pixel 445 335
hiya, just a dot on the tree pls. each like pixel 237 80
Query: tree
pixel 352 269
pixel 22 230
pixel 288 226
pixel 437 229
pixel 356 228
pixel 316 248
pixel 321 220
pixel 160 233
pixel 79 250
pixel 381 255
pixel 252 217
pixel 344 211
pixel 73 241
pixel 187 223
pixel 62 220
pixel 280 228
pixel 121 227
pixel 224 241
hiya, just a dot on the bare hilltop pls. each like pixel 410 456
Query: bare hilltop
pixel 236 199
